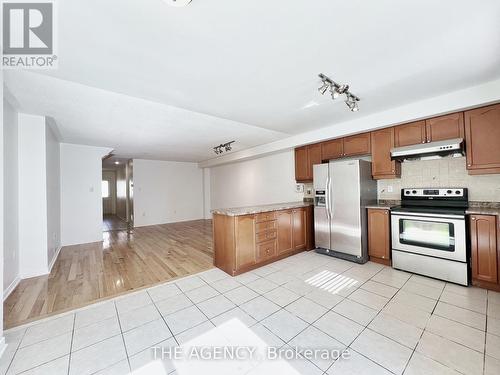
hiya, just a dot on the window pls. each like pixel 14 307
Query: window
pixel 105 189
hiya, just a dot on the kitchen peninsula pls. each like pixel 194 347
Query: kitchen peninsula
pixel 249 237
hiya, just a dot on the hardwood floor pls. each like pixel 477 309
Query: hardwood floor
pixel 113 222
pixel 84 274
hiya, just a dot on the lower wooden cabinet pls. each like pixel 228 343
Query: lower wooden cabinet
pixel 379 235
pixel 484 250
pixel 245 242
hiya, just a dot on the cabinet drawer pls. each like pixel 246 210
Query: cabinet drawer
pixel 265 225
pixel 266 250
pixel 265 216
pixel 267 235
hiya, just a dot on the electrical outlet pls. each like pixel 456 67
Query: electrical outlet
pixel 299 188
pixel 390 189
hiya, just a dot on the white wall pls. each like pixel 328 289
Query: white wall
pixel 166 192
pixel 266 180
pixel 81 201
pixel 32 196
pixel 53 181
pixel 11 198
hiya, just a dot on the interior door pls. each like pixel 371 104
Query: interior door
pixel 345 209
pixel 109 192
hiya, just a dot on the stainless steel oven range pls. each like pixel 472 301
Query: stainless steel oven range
pixel 429 234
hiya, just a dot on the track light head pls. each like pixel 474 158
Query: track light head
pixel 323 88
pixel 334 92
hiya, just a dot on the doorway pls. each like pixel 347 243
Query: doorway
pixel 116 198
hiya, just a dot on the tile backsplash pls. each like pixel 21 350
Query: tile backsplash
pixel 445 172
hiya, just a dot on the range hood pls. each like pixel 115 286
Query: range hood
pixel 439 148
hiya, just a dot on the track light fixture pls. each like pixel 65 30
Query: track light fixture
pixel 336 90
pixel 223 147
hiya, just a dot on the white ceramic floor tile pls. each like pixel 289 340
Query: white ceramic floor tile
pixel 470 291
pixel 97 357
pixel 160 353
pixel 456 356
pixel 359 313
pixel 279 277
pixel 368 299
pixel 493 297
pixel 296 366
pixel 458 314
pixel 397 330
pixel 201 294
pixel 422 365
pixel 391 277
pixel 262 286
pixel 235 313
pixel 306 309
pixel 379 288
pixel 266 270
pixel 188 283
pixel 299 287
pixel 48 329
pixel 56 367
pixel 281 296
pixel 213 275
pixel 120 368
pixel 422 289
pixel 414 300
pixel 493 326
pixel 184 319
pixel 382 350
pixel 457 332
pixel 491 366
pixel 215 306
pixel 494 310
pixel 260 308
pixel 356 364
pixel 161 292
pixel 146 336
pixel 407 314
pixel 41 352
pixel 473 302
pixel 284 325
pixel 138 317
pixel 339 327
pixel 493 346
pixel 225 285
pixel 423 280
pixel 94 333
pixel 240 295
pixel 312 337
pixel 246 278
pixel 95 313
pixel 132 302
pixel 323 298
pixel 173 304
pixel 193 333
pixel 266 336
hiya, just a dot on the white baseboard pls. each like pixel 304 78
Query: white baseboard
pixel 11 287
pixel 54 258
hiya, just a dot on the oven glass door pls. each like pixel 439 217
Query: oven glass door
pixel 441 237
pixel 430 234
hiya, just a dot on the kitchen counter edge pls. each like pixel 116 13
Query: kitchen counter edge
pixel 240 211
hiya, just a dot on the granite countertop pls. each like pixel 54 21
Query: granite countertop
pixel 238 211
pixel 383 204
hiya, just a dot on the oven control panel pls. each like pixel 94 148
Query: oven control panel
pixel 435 192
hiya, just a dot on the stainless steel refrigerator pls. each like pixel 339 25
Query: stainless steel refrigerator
pixel 341 191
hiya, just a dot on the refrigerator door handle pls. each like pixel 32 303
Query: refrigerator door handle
pixel 330 199
pixel 327 198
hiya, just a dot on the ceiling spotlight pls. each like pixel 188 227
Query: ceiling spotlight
pixel 337 89
pixel 323 88
pixel 177 3
pixel 223 147
pixel 117 162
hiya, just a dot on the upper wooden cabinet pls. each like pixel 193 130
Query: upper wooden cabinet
pixel 358 144
pixel 409 134
pixel 484 263
pixel 382 166
pixel 333 149
pixel 305 158
pixel 379 238
pixel 445 127
pixel 482 140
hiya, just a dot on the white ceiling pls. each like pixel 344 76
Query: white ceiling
pixel 253 63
